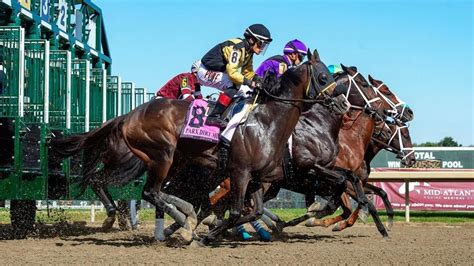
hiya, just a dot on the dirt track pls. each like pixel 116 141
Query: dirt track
pixel 408 244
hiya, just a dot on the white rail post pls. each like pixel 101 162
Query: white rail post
pixel 92 212
pixel 407 200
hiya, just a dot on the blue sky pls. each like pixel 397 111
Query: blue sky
pixel 421 49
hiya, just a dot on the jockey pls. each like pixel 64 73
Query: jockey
pixel 220 67
pixel 184 86
pixel 293 55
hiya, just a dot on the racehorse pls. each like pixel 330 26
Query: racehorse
pixel 351 156
pixel 151 132
pixel 316 135
pixel 366 107
pixel 398 142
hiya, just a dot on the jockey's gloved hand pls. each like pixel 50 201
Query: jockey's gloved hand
pixel 258 81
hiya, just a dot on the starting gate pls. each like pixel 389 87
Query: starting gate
pixel 140 96
pixel 128 99
pixel 114 98
pixel 97 104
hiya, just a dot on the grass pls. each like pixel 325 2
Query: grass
pixel 58 215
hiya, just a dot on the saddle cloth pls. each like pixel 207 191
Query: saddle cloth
pixel 194 125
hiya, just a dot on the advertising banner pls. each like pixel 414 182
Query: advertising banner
pixel 442 196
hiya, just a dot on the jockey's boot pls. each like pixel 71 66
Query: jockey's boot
pixel 215 117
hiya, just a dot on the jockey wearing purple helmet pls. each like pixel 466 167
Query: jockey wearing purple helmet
pixel 293 55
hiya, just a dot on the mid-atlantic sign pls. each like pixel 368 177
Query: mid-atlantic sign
pixel 429 195
pixel 455 196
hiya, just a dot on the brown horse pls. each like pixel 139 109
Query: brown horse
pixel 152 133
pixel 376 144
pixel 400 146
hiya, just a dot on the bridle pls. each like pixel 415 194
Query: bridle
pixel 394 112
pixel 389 146
pixel 312 80
pixel 368 107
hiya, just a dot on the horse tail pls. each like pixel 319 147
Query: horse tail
pixel 94 145
pixel 128 170
pixel 71 145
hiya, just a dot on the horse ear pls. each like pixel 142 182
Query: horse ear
pixel 316 56
pixel 310 56
pixel 371 80
pixel 344 67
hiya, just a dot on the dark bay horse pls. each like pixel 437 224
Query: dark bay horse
pixel 151 132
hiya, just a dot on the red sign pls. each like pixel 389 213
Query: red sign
pixel 446 196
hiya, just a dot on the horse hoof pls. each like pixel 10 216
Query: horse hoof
pixel 191 222
pixel 280 225
pixel 203 242
pixel 197 244
pixel 310 222
pixel 183 237
pixel 363 217
pixel 108 223
pixel 318 206
pixel 336 228
pixel 389 224
pixel 210 220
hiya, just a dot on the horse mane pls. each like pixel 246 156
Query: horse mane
pixel 276 86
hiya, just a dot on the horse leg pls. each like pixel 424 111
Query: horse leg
pixel 349 222
pixel 159 225
pixel 362 200
pixel 109 205
pixel 184 207
pixel 205 211
pixel 157 172
pixel 346 208
pixel 357 188
pixel 272 221
pixel 239 182
pixel 388 206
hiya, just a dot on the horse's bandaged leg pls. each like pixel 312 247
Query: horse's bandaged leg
pixel 184 206
pixel 159 227
pixel 171 210
pixel 272 216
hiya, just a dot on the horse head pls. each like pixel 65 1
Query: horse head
pixel 321 81
pixel 400 110
pixel 400 142
pixel 360 93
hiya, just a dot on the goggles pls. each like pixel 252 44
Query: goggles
pixel 263 46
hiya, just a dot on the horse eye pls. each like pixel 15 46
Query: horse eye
pixel 322 79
